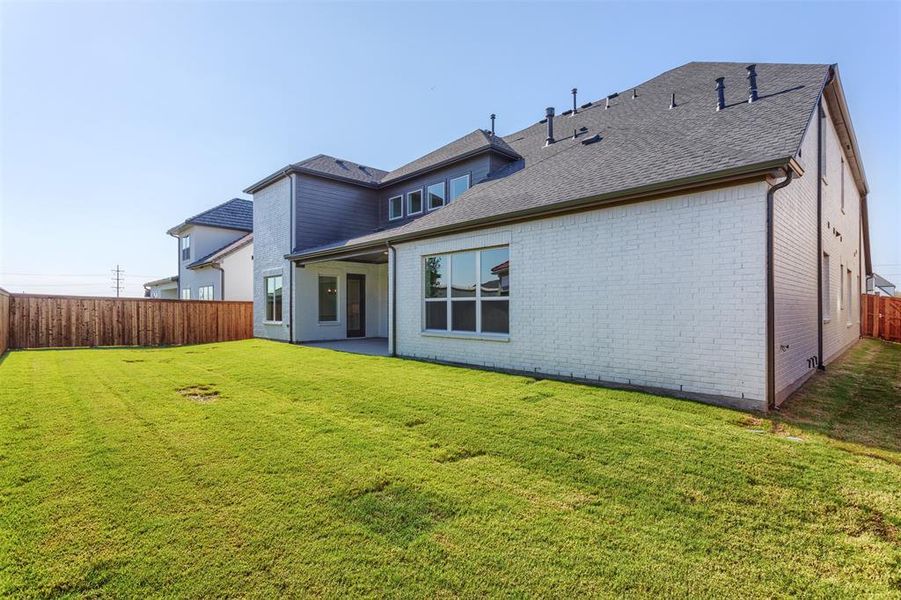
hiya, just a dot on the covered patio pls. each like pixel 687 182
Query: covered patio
pixel 369 346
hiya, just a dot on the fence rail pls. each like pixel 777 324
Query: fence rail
pixel 881 317
pixel 41 321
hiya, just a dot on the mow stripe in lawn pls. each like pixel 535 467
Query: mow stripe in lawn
pixel 257 468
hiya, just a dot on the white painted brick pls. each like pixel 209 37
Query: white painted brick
pixel 666 293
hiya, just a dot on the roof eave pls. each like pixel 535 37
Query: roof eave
pixel 447 162
pixel 761 169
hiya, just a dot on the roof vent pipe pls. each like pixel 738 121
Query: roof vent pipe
pixel 672 103
pixel 574 92
pixel 493 116
pixel 720 93
pixel 634 93
pixel 752 83
pixel 549 111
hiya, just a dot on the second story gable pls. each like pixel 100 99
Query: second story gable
pixel 211 230
pixel 335 199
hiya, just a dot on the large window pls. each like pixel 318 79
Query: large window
pixel 328 298
pixel 395 207
pixel 273 287
pixel 186 293
pixel 436 195
pixel 414 202
pixel 185 247
pixel 468 291
pixel 458 185
pixel 205 292
pixel 827 293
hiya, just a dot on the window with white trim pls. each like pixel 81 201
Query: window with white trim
pixel 842 184
pixel 395 207
pixel 841 287
pixel 414 202
pixel 850 301
pixel 328 299
pixel 185 293
pixel 436 195
pixel 185 248
pixel 458 185
pixel 205 292
pixel 468 292
pixel 274 293
pixel 827 294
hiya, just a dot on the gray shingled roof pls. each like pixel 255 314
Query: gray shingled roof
pixel 643 143
pixel 471 143
pixel 222 252
pixel 343 169
pixel 236 213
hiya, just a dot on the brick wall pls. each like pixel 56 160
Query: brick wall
pixel 795 262
pixel 667 293
pixel 271 241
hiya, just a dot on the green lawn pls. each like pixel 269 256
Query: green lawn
pixel 258 469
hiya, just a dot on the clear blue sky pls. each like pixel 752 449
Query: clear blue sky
pixel 119 120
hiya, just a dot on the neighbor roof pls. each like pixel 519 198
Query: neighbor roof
pixel 163 281
pixel 236 213
pixel 220 253
pixel 643 145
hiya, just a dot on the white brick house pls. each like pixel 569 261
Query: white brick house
pixel 709 247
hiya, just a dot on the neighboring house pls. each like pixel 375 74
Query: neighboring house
pixel 880 286
pixel 678 236
pixel 165 289
pixel 215 253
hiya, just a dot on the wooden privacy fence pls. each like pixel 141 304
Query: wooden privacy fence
pixel 38 321
pixel 881 317
pixel 4 321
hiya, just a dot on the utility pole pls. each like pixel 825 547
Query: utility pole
pixel 118 280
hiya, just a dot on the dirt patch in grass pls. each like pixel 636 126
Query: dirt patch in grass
pixel 415 422
pixel 133 360
pixel 202 394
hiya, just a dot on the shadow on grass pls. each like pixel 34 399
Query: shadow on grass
pixel 857 400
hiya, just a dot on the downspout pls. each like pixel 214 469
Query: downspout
pixel 291 263
pixel 392 251
pixel 820 365
pixel 771 293
pixel 221 280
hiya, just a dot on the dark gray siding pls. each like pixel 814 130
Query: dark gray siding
pixel 329 210
pixel 477 167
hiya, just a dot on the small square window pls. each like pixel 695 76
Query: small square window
pixel 395 208
pixel 458 185
pixel 436 195
pixel 414 202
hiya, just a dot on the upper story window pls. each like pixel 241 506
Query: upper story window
pixel 436 195
pixel 186 247
pixel 414 202
pixel 468 292
pixel 827 293
pixel 395 207
pixel 205 292
pixel 458 185
pixel 328 298
pixel 273 287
